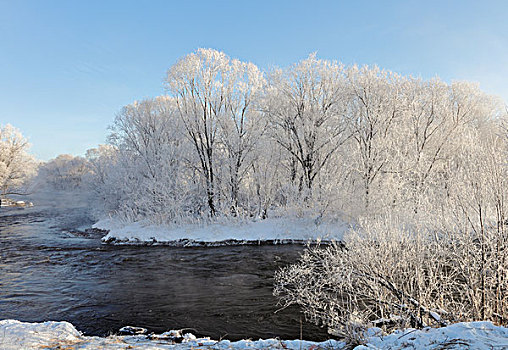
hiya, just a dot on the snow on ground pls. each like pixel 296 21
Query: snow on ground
pixel 63 335
pixel 465 335
pixel 15 335
pixel 275 230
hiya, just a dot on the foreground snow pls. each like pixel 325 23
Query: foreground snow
pixel 16 335
pixel 276 231
pixel 467 335
pixel 464 335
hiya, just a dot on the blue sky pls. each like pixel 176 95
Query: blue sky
pixel 66 67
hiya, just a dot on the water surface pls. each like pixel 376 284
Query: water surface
pixel 50 271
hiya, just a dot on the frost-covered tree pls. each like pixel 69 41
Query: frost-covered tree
pixel 100 160
pixel 16 164
pixel 214 96
pixel 374 109
pixel 103 180
pixel 266 179
pixel 391 274
pixel 436 119
pixel 198 83
pixel 305 105
pixel 150 173
pixel 242 126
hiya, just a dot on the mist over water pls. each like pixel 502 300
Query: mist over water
pixel 51 271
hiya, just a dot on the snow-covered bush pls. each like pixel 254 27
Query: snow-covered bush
pixel 390 275
pixel 383 274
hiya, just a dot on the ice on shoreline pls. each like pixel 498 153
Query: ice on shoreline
pixel 273 231
pixel 15 335
pixel 467 335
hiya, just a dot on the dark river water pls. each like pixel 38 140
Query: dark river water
pixel 49 273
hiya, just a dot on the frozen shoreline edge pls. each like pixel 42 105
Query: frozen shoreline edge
pixel 53 334
pixel 264 232
pixel 472 335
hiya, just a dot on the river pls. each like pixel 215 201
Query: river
pixel 51 270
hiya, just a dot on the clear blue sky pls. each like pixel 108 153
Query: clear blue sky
pixel 66 67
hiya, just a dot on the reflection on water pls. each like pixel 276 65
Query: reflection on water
pixel 49 273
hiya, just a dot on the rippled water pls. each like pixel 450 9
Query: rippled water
pixel 49 273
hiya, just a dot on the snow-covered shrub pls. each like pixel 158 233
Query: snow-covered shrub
pixel 390 275
pixel 383 274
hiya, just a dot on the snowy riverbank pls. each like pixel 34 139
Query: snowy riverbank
pixel 15 335
pixel 473 335
pixel 274 231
